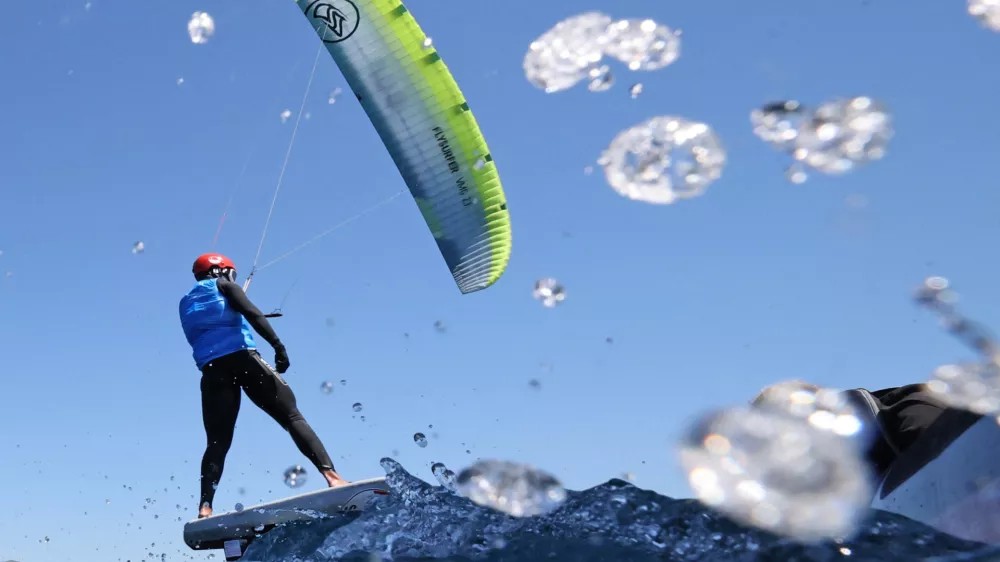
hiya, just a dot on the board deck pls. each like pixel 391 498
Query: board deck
pixel 214 531
pixel 950 479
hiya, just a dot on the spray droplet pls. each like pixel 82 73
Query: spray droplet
pixel 356 407
pixel 201 28
pixel 549 291
pixel 796 173
pixel 601 79
pixel 326 387
pixel 420 439
pixel 444 476
pixel 295 476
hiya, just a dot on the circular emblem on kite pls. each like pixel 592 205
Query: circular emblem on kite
pixel 215 260
pixel 335 20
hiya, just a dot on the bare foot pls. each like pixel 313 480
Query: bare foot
pixel 204 511
pixel 334 479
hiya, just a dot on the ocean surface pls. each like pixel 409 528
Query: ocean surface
pixel 615 521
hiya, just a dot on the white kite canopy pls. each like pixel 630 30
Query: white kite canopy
pixel 950 478
pixel 235 530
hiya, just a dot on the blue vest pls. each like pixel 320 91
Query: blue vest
pixel 211 326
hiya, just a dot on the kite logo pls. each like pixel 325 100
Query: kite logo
pixel 215 260
pixel 334 20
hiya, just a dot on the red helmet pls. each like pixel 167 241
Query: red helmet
pixel 213 265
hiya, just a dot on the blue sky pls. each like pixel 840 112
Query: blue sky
pixel 706 301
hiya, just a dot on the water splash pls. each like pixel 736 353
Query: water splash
pixel 572 50
pixel 663 160
pixel 201 28
pixel 562 56
pixel 986 12
pixel 825 409
pixel 642 44
pixel 613 521
pixel 835 138
pixel 549 292
pixel 777 474
pixel 420 439
pixel 601 78
pixel 974 385
pixel 444 476
pixel 842 134
pixel 778 123
pixel 970 386
pixel 295 476
pixel 515 489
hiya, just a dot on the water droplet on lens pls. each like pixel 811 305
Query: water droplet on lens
pixel 549 291
pixel 778 123
pixel 601 79
pixel 642 44
pixel 295 476
pixel 516 489
pixel 842 134
pixel 664 159
pixel 561 57
pixel 356 407
pixel 796 173
pixel 326 387
pixel 420 439
pixel 986 12
pixel 201 28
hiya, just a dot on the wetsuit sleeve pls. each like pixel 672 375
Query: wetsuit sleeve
pixel 241 303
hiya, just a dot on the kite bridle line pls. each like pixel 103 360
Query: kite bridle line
pixel 246 165
pixel 284 166
pixel 338 226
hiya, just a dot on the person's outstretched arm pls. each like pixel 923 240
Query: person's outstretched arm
pixel 241 303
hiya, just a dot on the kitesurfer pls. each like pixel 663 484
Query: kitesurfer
pixel 216 316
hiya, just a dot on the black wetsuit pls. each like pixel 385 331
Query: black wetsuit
pixel 221 382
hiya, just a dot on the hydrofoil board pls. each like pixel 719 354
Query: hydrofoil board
pixel 239 528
